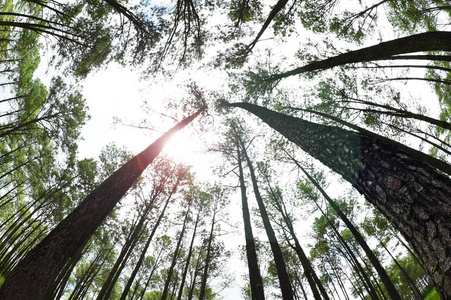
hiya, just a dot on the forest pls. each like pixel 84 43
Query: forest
pixel 324 123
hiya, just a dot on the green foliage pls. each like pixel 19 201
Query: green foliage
pixel 432 295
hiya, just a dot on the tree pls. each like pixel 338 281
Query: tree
pixel 392 291
pixel 276 200
pixel 72 233
pixel 285 286
pixel 388 175
pixel 256 282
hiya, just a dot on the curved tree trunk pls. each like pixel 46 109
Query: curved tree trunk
pixel 36 272
pixel 410 193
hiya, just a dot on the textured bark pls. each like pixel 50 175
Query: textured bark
pixel 284 281
pixel 428 41
pixel 409 192
pixel 254 271
pixel 36 272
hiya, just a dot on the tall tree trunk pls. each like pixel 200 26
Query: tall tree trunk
pixel 410 193
pixel 350 256
pixel 203 284
pixel 121 260
pixel 165 293
pixel 146 246
pixel 309 272
pixel 428 41
pixel 252 262
pixel 391 289
pixel 36 272
pixel 197 269
pixel 284 281
pixel 416 292
pixel 188 259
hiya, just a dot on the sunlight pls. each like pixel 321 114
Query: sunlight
pixel 182 148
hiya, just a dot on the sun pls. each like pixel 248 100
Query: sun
pixel 181 147
pixel 185 149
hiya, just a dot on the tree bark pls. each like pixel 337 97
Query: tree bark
pixel 36 272
pixel 410 193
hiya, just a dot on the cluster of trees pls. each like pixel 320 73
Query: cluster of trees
pixel 66 234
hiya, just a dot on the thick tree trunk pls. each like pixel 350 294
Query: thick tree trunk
pixel 254 271
pixel 284 281
pixel 36 272
pixel 411 194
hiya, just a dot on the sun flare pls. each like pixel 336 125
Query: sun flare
pixel 181 147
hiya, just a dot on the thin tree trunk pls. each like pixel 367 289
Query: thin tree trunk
pixel 146 246
pixel 309 272
pixel 121 260
pixel 203 285
pixel 165 293
pixel 409 192
pixel 188 259
pixel 36 272
pixel 197 268
pixel 391 289
pixel 351 257
pixel 254 271
pixel 285 286
pixel 413 286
